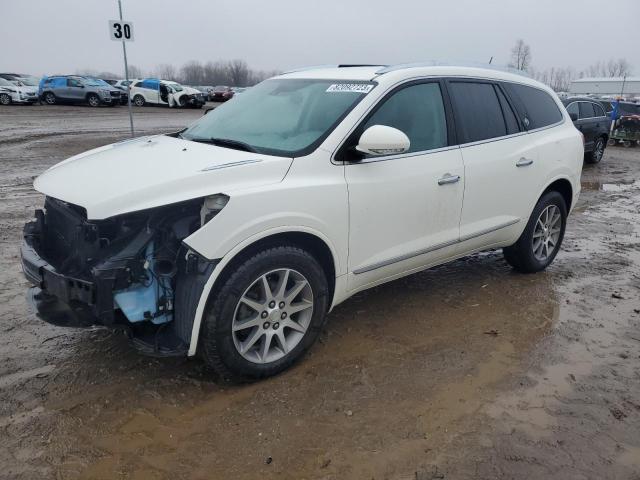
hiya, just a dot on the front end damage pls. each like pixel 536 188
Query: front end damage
pixel 129 272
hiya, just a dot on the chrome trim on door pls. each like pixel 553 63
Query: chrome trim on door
pixel 433 248
pixel 230 164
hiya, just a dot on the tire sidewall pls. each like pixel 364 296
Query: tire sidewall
pixel 594 157
pixel 217 339
pixel 526 239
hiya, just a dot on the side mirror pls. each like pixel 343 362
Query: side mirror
pixel 382 140
pixel 573 116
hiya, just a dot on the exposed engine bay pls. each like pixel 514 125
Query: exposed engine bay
pixel 130 271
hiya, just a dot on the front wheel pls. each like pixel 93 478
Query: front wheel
pixel 598 151
pixel 93 100
pixel 541 239
pixel 138 101
pixel 266 315
pixel 5 99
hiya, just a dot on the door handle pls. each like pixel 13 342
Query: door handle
pixel 448 178
pixel 524 162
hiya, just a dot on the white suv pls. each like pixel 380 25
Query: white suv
pixel 234 237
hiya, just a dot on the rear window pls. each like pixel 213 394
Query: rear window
pixel 478 111
pixel 536 107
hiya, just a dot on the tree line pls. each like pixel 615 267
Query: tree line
pixel 560 78
pixel 234 73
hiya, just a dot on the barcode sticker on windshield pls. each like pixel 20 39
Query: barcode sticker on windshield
pixel 350 87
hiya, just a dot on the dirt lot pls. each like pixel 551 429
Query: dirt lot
pixel 464 371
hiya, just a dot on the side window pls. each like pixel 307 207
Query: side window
pixel 539 109
pixel 72 82
pixel 509 116
pixel 586 110
pixel 478 112
pixel 138 84
pixel 599 110
pixel 573 108
pixel 418 111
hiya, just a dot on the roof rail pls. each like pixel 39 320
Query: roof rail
pixel 437 63
pixel 313 67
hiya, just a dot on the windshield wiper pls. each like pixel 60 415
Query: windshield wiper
pixel 227 142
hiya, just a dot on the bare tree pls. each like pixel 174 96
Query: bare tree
pixel 135 72
pixel 192 73
pixel 216 73
pixel 520 55
pixel 238 73
pixel 166 71
pixel 611 68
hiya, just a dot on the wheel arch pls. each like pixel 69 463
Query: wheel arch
pixel 563 186
pixel 304 238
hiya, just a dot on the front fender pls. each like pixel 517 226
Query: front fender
pixel 230 255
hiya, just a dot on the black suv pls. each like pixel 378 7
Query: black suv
pixel 590 118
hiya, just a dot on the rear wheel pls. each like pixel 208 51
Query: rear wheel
pixel 50 98
pixel 598 151
pixel 5 99
pixel 266 315
pixel 138 101
pixel 541 239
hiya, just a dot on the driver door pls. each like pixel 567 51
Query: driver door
pixel 405 208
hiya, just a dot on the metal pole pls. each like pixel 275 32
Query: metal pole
pixel 126 72
pixel 624 80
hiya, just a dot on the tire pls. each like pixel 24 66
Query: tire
pixel 226 344
pixel 523 255
pixel 93 100
pixel 138 101
pixel 611 142
pixel 50 98
pixel 182 101
pixel 5 99
pixel 598 151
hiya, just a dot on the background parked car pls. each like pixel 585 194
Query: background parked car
pixel 589 116
pixel 124 95
pixel 14 91
pixel 164 92
pixel 78 89
pixel 221 93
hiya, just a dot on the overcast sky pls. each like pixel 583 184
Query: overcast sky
pixel 62 36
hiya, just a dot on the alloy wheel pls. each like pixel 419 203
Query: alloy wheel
pixel 598 151
pixel 272 316
pixel 546 234
pixel 5 99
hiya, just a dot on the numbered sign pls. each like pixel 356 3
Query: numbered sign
pixel 121 31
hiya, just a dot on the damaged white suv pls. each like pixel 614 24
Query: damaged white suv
pixel 233 238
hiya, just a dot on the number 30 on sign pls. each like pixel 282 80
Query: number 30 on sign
pixel 121 31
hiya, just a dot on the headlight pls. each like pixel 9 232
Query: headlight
pixel 105 93
pixel 212 206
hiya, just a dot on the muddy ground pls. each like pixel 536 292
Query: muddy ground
pixel 466 371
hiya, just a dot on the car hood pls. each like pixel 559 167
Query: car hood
pixel 190 91
pixel 149 172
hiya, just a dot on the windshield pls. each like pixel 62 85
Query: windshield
pixel 628 109
pixel 96 82
pixel 283 117
pixel 30 81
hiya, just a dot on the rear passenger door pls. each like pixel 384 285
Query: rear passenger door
pixel 75 89
pixel 500 163
pixel 587 123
